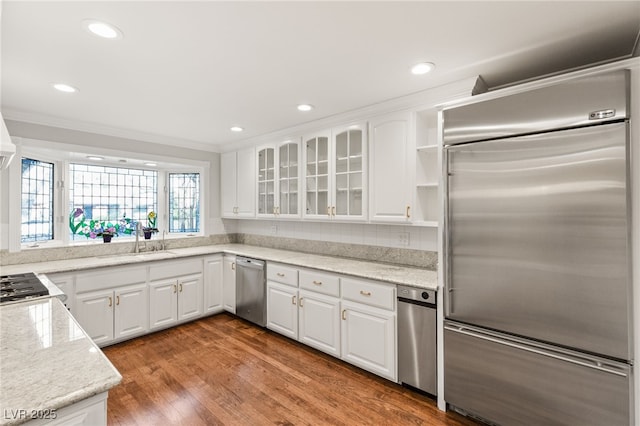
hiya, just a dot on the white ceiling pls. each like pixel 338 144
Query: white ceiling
pixel 185 72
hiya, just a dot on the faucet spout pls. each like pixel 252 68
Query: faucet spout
pixel 136 247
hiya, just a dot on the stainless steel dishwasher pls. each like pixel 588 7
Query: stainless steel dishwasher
pixel 417 338
pixel 251 290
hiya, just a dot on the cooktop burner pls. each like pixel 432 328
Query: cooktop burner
pixel 21 286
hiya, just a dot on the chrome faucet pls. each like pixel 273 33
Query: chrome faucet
pixel 163 246
pixel 136 248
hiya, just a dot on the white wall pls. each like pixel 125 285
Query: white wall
pixel 420 238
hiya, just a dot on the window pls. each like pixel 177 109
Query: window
pixel 112 193
pixel 37 201
pixel 184 202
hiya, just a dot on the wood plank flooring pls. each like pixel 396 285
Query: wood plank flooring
pixel 223 370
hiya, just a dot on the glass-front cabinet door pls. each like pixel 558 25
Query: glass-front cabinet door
pixel 335 174
pixel 288 178
pixel 317 178
pixel 266 181
pixel 349 171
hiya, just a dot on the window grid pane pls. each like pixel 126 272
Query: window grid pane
pixel 37 201
pixel 184 202
pixel 111 193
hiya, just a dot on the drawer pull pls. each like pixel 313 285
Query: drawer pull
pixel 317 282
pixel 408 212
pixel 233 266
pixel 293 300
pixel 344 314
pixel 180 287
pixel 301 303
pixel 110 301
pixel 117 300
pixel 365 293
pixel 175 288
pixel 280 274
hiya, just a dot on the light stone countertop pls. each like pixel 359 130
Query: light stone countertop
pixel 48 361
pixel 394 274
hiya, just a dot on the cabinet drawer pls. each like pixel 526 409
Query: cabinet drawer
pixel 282 274
pixel 369 293
pixel 320 282
pixel 174 268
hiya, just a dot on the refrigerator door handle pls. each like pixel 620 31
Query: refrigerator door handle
pixel 447 238
pixel 596 365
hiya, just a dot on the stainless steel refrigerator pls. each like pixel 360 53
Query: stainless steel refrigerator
pixel 537 252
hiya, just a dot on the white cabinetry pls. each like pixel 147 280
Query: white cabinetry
pixel 213 283
pixel 229 283
pixel 369 326
pixel 175 292
pixel 88 412
pixel 237 175
pixel 67 284
pixel 278 180
pixel 282 309
pixel 309 314
pixel 428 165
pixel 392 166
pixel 110 313
pixel 335 174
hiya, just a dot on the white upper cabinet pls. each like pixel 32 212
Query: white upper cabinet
pixel 278 180
pixel 335 174
pixel 237 175
pixel 392 168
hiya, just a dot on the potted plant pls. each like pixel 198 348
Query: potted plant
pixel 93 229
pixel 151 225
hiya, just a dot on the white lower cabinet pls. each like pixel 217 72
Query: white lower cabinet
pixel 88 412
pixel 282 309
pixel 369 338
pixel 351 319
pixel 108 315
pixel 175 300
pixel 229 283
pixel 213 271
pixel 319 322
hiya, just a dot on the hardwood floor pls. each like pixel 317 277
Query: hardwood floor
pixel 223 370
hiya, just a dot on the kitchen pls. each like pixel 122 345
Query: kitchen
pixel 356 202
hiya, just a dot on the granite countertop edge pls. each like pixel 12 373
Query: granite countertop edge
pixel 390 273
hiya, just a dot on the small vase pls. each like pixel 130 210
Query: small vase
pixel 106 238
pixel 147 235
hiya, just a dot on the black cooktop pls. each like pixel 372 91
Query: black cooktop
pixel 21 286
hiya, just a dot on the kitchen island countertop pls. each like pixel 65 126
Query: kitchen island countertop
pixel 394 274
pixel 48 361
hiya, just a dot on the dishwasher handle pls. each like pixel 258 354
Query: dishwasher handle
pixel 247 262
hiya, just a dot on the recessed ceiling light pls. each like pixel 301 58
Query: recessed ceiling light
pixel 422 68
pixel 236 129
pixel 95 158
pixel 64 88
pixel 102 29
pixel 305 107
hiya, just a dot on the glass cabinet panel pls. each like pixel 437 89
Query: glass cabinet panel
pixel 317 175
pixel 288 178
pixel 348 190
pixel 266 181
